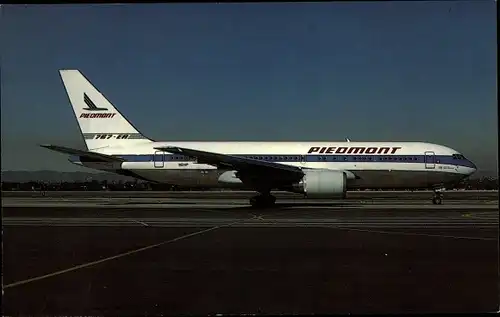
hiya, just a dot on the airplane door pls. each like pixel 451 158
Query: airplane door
pixel 159 159
pixel 430 160
pixel 303 159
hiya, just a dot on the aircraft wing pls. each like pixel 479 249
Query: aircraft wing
pixel 91 155
pixel 237 163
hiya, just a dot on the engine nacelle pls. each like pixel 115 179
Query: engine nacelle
pixel 229 177
pixel 323 184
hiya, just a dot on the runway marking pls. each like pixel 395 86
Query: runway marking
pixel 140 222
pixel 398 233
pixel 484 215
pixel 121 255
pixel 257 217
pixel 414 234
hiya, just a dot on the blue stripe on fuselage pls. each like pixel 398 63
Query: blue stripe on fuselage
pixel 280 158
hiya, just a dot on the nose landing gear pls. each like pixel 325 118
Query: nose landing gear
pixel 437 198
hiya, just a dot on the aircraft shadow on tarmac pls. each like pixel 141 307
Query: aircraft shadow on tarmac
pixel 159 203
pixel 275 206
pixel 294 205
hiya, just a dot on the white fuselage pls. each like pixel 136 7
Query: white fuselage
pixel 374 164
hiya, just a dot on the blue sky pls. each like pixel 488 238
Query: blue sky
pixel 403 71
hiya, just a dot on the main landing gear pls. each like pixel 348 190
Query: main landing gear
pixel 262 201
pixel 437 199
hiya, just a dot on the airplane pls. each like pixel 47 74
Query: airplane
pixel 315 169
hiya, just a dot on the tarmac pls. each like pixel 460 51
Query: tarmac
pixel 134 255
pixel 226 194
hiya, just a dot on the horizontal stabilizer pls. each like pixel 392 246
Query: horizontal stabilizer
pixel 91 155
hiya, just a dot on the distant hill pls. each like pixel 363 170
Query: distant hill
pixel 55 176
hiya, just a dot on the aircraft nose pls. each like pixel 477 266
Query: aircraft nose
pixel 473 167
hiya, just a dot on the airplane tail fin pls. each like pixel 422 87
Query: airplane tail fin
pixel 101 124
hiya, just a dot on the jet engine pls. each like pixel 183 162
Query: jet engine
pixel 322 184
pixel 229 177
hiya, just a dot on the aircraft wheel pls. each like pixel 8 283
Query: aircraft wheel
pixel 254 202
pixel 437 201
pixel 262 201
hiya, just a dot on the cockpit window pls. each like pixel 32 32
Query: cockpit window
pixel 458 157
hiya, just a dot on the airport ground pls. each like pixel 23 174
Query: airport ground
pixel 224 194
pixel 205 253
